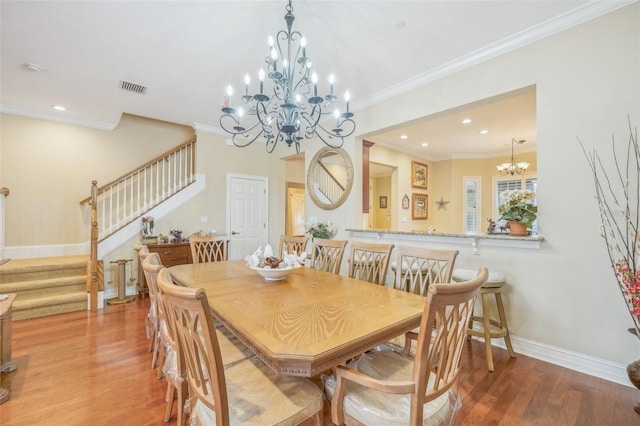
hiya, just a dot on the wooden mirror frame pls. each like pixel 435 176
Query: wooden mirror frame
pixel 349 172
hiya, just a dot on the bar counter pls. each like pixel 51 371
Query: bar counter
pixel 474 241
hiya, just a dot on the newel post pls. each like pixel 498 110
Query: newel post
pixel 93 262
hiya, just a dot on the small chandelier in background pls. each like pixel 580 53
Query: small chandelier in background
pixel 294 110
pixel 512 167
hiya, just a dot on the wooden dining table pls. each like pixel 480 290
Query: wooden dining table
pixel 306 323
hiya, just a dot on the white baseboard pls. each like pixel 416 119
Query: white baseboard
pixel 116 240
pixel 592 366
pixel 112 293
pixel 100 300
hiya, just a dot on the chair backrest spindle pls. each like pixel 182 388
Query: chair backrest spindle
pixel 327 254
pixel 292 244
pixel 417 268
pixel 369 262
pixel 209 248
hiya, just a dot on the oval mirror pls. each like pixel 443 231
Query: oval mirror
pixel 330 177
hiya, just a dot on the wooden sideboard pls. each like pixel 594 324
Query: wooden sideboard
pixel 170 255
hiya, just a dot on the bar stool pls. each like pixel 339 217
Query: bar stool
pixel 491 329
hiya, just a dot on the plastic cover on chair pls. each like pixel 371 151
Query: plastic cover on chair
pixel 372 407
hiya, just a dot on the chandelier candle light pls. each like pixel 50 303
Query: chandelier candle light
pixel 512 167
pixel 294 110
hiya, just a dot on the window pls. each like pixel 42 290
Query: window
pixel 503 183
pixel 471 203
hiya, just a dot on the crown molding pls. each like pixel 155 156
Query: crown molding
pixel 15 110
pixel 206 128
pixel 545 29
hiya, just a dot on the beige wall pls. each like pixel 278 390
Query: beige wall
pixel 563 295
pixel 215 160
pixel 382 188
pixel 587 84
pixel 444 180
pixel 49 168
pixel 446 183
pixel 295 171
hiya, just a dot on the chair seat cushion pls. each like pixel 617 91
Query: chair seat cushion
pixel 469 274
pixel 258 395
pixel 231 349
pixel 373 407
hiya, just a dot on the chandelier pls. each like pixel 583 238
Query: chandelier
pixel 293 110
pixel 512 167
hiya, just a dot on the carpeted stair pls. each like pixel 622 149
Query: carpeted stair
pixel 45 286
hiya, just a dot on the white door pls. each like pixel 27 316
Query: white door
pixel 247 214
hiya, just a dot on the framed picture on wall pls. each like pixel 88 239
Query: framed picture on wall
pixel 419 206
pixel 419 175
pixel 383 202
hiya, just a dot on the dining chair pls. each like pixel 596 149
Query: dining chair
pixel 231 348
pixel 151 320
pixel 327 254
pixel 369 262
pixel 209 248
pixel 246 392
pixel 167 345
pixel 292 244
pixel 419 268
pixel 388 387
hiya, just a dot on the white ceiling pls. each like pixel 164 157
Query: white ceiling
pixel 187 52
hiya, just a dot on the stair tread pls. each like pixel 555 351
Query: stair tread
pixel 45 286
pixel 47 282
pixel 14 266
pixel 71 297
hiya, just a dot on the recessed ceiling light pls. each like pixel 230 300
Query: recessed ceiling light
pixel 425 144
pixel 466 121
pixel 484 132
pixel 59 108
pixel 403 136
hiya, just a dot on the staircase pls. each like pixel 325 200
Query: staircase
pixel 45 286
pixel 54 285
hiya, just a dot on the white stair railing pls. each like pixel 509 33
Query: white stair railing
pixel 328 185
pixel 129 197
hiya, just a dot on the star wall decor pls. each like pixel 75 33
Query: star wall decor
pixel 442 204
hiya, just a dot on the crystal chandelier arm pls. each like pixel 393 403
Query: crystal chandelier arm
pixel 325 136
pixel 241 131
pixel 271 143
pixel 312 118
pixel 266 116
pixel 342 130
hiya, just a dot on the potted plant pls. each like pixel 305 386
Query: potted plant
pixel 617 194
pixel 516 207
pixel 322 230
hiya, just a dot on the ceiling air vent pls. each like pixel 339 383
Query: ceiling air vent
pixel 133 87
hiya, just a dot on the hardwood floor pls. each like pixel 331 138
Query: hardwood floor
pixel 82 368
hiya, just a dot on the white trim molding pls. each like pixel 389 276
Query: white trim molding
pixel 592 366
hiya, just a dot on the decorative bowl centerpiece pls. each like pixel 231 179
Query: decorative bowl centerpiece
pixel 270 267
pixel 273 274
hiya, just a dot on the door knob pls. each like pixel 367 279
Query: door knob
pixel 235 233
